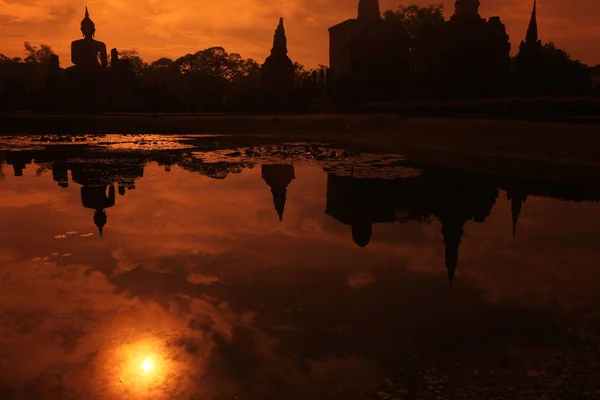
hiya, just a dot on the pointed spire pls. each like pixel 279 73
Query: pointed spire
pixel 279 39
pixel 369 10
pixel 100 229
pixel 87 14
pixel 532 29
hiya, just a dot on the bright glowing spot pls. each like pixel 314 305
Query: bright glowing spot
pixel 147 365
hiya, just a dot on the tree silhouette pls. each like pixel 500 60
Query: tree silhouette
pixel 425 26
pixel 417 19
pixel 560 75
pixel 38 55
pixel 133 57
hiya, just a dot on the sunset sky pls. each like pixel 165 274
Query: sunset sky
pixel 174 28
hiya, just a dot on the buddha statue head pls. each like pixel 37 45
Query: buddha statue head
pixel 88 28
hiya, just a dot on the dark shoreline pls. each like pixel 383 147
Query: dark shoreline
pixel 512 148
pixel 234 123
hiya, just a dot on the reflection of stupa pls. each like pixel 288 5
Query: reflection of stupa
pixel 278 177
pixel 360 203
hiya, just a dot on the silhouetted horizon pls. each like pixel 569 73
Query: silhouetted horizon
pixel 413 53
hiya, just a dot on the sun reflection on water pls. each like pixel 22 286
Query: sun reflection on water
pixel 142 367
pixel 147 365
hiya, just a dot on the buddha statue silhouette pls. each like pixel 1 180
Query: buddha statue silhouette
pixel 88 53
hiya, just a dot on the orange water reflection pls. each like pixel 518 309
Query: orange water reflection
pixel 201 278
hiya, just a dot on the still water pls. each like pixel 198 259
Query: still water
pixel 188 268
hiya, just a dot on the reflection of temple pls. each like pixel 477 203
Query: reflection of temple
pixel 361 203
pixel 454 203
pixel 368 51
pixel 278 177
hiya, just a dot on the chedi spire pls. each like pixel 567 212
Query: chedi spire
pixel 532 29
pixel 279 40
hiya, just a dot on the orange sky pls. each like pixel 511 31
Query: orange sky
pixel 173 28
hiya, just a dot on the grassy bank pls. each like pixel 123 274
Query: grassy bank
pixel 500 107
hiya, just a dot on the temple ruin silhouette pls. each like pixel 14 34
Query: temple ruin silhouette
pixel 368 56
pixel 363 202
pixel 278 68
pixel 371 60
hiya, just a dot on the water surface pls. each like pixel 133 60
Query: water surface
pixel 187 269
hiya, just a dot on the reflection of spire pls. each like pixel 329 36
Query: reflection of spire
pixel 452 232
pixel 278 177
pixel 532 29
pixel 279 198
pixel 516 205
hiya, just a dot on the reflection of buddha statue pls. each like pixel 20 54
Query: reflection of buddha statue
pixel 85 52
pixel 95 198
pixel 361 233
